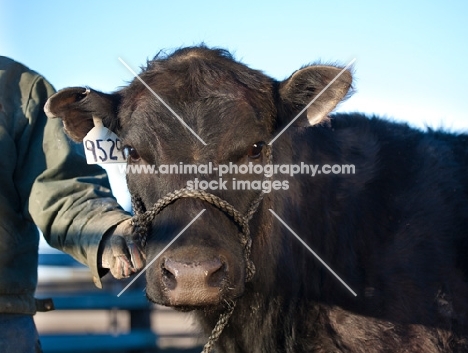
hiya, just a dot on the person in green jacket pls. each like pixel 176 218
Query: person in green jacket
pixel 46 182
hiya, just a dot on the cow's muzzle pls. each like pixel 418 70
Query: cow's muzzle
pixel 194 284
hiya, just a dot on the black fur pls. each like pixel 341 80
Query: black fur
pixel 395 231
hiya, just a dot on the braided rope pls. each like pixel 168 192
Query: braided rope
pixel 141 222
pixel 219 327
pixel 142 219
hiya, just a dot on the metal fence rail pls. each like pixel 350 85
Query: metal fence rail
pixel 79 294
pixel 91 320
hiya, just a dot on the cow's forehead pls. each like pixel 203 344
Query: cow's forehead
pixel 219 98
pixel 196 73
pixel 224 123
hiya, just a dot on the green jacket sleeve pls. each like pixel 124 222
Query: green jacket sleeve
pixel 70 201
pixel 18 234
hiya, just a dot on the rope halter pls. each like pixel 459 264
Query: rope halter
pixel 143 218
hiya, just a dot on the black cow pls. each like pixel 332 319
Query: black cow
pixel 394 231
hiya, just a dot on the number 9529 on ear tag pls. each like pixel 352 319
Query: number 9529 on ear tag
pixel 102 146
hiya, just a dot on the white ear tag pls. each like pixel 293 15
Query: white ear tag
pixel 102 146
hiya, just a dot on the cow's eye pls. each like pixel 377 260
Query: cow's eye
pixel 255 151
pixel 131 154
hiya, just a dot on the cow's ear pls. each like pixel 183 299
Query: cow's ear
pixel 76 106
pixel 304 85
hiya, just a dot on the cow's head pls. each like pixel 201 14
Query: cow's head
pixel 235 110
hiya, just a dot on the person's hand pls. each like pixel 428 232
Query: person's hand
pixel 119 253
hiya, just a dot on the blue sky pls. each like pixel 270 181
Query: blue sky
pixel 410 55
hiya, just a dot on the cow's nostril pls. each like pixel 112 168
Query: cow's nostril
pixel 216 278
pixel 169 277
